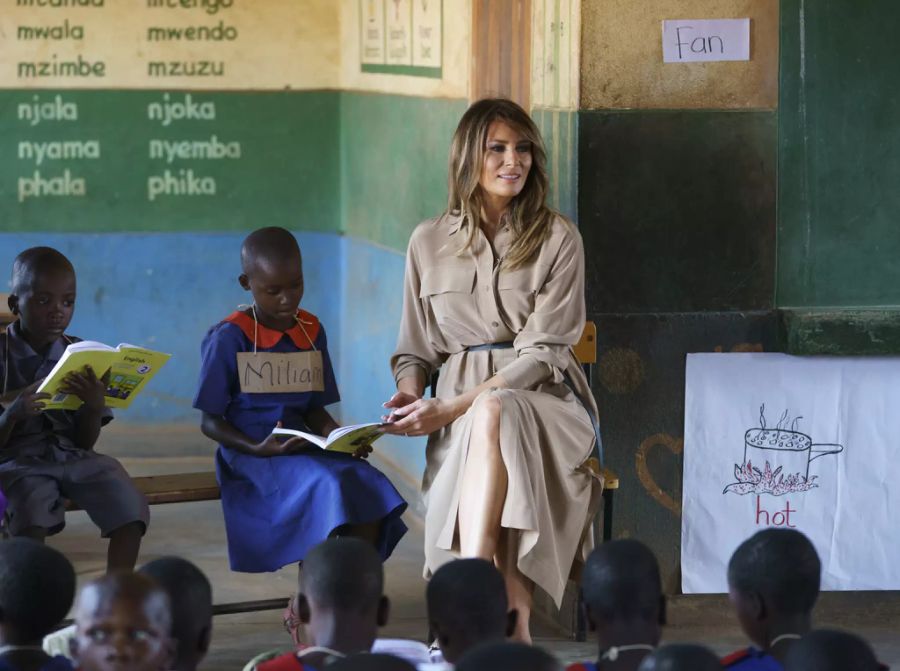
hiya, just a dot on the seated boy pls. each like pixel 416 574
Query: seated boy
pixel 37 585
pixel 773 584
pixel 467 606
pixel 279 499
pixel 828 650
pixel 508 655
pixel 122 621
pixel 624 604
pixel 341 602
pixel 681 657
pixel 47 456
pixel 368 661
pixel 190 596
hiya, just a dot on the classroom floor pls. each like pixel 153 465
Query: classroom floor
pixel 196 531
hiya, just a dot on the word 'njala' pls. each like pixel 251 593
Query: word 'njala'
pixel 55 109
pixel 186 109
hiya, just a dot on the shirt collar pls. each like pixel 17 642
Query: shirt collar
pixel 20 349
pixel 456 221
pixel 266 337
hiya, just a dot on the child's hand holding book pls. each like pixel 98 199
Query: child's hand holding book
pixel 86 386
pixel 28 402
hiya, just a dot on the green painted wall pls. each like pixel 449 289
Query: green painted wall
pixel 287 173
pixel 393 163
pixel 839 155
pixel 559 129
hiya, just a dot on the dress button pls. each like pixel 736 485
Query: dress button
pixel 495 324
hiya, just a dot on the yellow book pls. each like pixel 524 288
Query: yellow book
pixel 343 439
pixel 129 368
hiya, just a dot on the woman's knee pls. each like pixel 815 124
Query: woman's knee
pixel 486 408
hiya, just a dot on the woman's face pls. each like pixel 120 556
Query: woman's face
pixel 507 160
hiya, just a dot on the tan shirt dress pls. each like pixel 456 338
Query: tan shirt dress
pixel 454 301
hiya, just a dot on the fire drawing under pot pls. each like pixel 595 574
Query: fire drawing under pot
pixel 782 457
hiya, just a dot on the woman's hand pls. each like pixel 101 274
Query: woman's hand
pixel 399 400
pixel 421 417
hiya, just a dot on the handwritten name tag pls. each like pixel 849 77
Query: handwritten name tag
pixel 278 372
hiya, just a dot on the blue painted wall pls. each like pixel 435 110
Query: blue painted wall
pixel 164 290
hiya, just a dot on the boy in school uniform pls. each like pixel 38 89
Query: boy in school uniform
pixel 468 606
pixel 341 602
pixel 681 657
pixel 773 584
pixel 47 455
pixel 37 585
pixel 831 650
pixel 122 623
pixel 624 604
pixel 280 499
pixel 508 655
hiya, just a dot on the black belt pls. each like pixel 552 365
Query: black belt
pixel 508 344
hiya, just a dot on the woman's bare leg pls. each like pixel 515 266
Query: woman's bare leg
pixel 484 482
pixel 519 589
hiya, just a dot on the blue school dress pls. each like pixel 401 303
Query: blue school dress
pixel 751 659
pixel 277 508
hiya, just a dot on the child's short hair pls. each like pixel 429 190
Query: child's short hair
pixel 190 596
pixel 37 586
pixel 681 657
pixel 780 564
pixel 621 581
pixel 468 596
pixel 508 655
pixel 829 650
pixel 270 243
pixel 344 574
pixel 369 661
pixel 33 261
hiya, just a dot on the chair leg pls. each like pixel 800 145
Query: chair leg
pixel 607 514
pixel 580 620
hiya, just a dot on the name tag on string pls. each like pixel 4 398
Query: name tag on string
pixel 280 372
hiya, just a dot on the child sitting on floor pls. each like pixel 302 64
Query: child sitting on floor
pixel 828 650
pixel 624 604
pixel 190 596
pixel 47 456
pixel 340 601
pixel 37 585
pixel 508 655
pixel 467 606
pixel 773 583
pixel 122 621
pixel 681 657
pixel 280 499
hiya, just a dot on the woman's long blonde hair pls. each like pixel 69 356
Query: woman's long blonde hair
pixel 528 216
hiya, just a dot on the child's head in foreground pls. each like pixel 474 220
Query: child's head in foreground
pixel 621 584
pixel 342 590
pixel 508 655
pixel 827 650
pixel 467 606
pixel 42 293
pixel 123 621
pixel 367 661
pixel 773 579
pixel 190 596
pixel 272 271
pixel 681 657
pixel 37 586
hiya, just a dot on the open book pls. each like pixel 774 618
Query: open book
pixel 343 439
pixel 129 369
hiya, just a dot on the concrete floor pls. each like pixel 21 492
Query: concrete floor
pixel 196 531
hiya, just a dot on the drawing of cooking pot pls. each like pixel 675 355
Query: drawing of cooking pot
pixel 790 449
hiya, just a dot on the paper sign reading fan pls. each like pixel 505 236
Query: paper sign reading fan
pixel 279 372
pixel 687 41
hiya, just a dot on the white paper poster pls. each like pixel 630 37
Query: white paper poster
pixel 694 40
pixel 811 443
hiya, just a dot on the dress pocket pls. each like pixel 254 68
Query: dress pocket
pixel 517 289
pixel 449 291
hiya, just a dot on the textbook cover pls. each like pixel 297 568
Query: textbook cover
pixel 129 369
pixel 343 439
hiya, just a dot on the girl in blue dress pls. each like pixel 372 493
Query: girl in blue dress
pixel 279 498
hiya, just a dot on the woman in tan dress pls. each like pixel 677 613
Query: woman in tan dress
pixel 494 297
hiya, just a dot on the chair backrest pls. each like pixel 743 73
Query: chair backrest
pixel 6 315
pixel 586 348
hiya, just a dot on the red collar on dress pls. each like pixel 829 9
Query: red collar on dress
pixel 266 337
